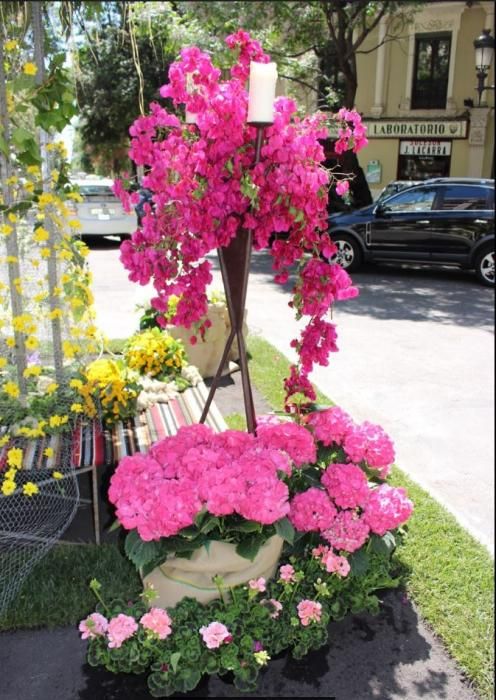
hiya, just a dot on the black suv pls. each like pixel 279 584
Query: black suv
pixel 447 221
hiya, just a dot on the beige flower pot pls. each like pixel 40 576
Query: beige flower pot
pixel 179 578
pixel 206 354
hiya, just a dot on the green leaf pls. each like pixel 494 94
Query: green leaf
pixel 285 530
pixel 249 548
pixel 138 551
pixel 174 660
pixel 115 526
pixel 21 136
pixel 384 545
pixel 359 563
pixel 246 526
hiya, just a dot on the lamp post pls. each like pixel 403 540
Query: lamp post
pixel 234 259
pixel 484 50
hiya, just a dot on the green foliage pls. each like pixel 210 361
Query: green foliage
pixel 258 631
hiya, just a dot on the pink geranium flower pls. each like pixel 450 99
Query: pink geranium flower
pixel 309 611
pixel 158 622
pixel 257 585
pixel 95 625
pixel 119 629
pixel 287 573
pixel 215 634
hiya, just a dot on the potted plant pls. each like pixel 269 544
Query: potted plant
pixel 200 504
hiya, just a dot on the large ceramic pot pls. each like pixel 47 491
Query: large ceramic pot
pixel 179 578
pixel 206 354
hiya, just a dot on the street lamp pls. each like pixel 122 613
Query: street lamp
pixel 484 50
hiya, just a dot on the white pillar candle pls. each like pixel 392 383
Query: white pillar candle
pixel 262 92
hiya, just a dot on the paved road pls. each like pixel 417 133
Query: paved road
pixel 416 356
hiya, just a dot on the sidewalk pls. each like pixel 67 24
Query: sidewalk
pixel 393 656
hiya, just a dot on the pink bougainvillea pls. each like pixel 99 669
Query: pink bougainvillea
pixel 205 189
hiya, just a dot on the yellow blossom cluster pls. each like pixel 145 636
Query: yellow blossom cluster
pixel 155 352
pixel 108 387
pixel 14 464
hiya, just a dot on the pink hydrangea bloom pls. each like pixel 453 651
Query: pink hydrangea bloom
pixel 348 531
pixel 369 443
pixel 290 437
pixel 215 634
pixel 309 611
pixel 95 625
pixel 119 629
pixel 157 621
pixel 287 573
pixel 387 508
pixel 330 426
pixel 274 605
pixel 257 584
pixel 312 510
pixel 346 484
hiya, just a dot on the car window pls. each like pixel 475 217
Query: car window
pixel 95 190
pixel 465 197
pixel 411 201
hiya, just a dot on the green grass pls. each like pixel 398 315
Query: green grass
pixel 57 591
pixel 448 574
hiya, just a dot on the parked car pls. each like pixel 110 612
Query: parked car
pixel 448 221
pixel 101 212
pixel 396 186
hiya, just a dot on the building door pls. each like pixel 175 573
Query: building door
pixel 423 159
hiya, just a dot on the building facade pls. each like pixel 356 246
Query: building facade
pixel 418 99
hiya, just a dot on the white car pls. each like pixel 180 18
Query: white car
pixel 101 212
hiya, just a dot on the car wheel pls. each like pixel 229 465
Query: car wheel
pixel 484 267
pixel 349 255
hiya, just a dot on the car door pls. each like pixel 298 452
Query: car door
pixel 400 227
pixel 465 214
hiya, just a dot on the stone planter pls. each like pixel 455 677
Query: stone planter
pixel 179 578
pixel 206 354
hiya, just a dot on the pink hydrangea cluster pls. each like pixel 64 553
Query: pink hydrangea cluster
pixel 225 473
pixel 158 622
pixel 309 611
pixel 369 443
pixel 312 511
pixel 330 426
pixel 205 189
pixel 346 484
pixel 387 508
pixel 348 531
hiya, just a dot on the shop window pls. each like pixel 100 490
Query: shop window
pixel 430 78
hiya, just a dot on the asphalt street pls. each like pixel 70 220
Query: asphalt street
pixel 416 356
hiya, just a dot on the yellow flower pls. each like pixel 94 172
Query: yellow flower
pixel 33 170
pixel 10 342
pixel 74 223
pixel 75 196
pixel 38 298
pixel 51 388
pixel 46 198
pixel 56 313
pixel 30 68
pixel 29 187
pixel 41 235
pixel 65 255
pixel 10 474
pixel 32 343
pixel 77 408
pixel 14 457
pixel 12 218
pixel 35 263
pixel 3 362
pixel 4 440
pixel 12 180
pixel 57 475
pixel 45 253
pixel 11 389
pixel 6 230
pixel 11 45
pixel 32 371
pixel 19 322
pixel 8 487
pixel 48 452
pixel 30 489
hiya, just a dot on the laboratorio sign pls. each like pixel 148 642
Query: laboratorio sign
pixel 392 129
